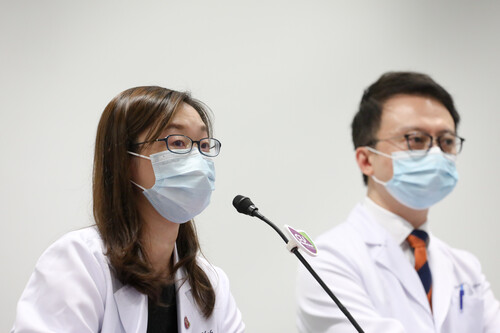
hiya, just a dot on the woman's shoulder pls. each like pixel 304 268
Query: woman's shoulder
pixel 225 309
pixel 85 239
pixel 77 256
pixel 71 278
pixel 85 234
pixel 216 275
pixel 83 247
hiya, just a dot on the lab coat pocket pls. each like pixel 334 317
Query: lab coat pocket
pixel 466 309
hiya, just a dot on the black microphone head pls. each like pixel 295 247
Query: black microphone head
pixel 244 205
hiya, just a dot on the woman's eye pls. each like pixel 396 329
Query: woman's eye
pixel 205 146
pixel 448 142
pixel 178 144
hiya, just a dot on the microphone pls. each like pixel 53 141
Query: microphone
pixel 245 206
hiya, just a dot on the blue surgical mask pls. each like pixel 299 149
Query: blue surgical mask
pixel 183 186
pixel 420 179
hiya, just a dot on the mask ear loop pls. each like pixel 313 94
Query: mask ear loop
pixel 139 186
pixel 379 181
pixel 378 152
pixel 405 153
pixel 141 156
pixel 373 150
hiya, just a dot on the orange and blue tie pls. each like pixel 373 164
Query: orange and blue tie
pixel 418 241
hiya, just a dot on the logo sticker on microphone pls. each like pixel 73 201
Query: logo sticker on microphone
pixel 299 238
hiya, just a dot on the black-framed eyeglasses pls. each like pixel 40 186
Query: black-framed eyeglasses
pixel 181 144
pixel 448 142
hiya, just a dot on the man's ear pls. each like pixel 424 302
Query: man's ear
pixel 363 158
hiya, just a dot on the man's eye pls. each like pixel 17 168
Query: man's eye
pixel 417 139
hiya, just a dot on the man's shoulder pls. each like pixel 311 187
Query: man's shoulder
pixel 462 260
pixel 346 240
pixel 343 232
pixel 355 229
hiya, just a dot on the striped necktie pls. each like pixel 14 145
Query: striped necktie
pixel 418 241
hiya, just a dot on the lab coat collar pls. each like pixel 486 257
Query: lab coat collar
pixel 371 233
pixel 395 225
pixel 133 305
pixel 387 253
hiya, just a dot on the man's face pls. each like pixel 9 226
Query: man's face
pixel 403 114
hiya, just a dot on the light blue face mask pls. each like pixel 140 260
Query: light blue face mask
pixel 183 186
pixel 420 179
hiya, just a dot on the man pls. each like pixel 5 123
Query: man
pixel 382 263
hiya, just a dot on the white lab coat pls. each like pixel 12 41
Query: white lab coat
pixel 369 273
pixel 73 290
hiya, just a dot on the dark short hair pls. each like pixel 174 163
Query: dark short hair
pixel 366 122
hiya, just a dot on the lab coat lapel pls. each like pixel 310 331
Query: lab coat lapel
pixel 186 309
pixel 392 258
pixel 188 316
pixel 132 308
pixel 443 283
pixel 385 252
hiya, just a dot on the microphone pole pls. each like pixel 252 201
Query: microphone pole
pixel 245 206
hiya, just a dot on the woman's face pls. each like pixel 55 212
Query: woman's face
pixel 186 121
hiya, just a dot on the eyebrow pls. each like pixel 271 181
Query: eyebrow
pixel 181 127
pixel 418 129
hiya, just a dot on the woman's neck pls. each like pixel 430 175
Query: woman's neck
pixel 159 238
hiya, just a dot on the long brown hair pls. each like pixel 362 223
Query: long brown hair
pixel 115 211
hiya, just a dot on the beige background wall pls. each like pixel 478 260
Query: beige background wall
pixel 283 79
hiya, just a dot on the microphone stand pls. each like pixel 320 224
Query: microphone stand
pixel 295 251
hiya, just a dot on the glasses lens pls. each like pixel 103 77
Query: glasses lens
pixel 418 141
pixel 450 143
pixel 179 144
pixel 209 147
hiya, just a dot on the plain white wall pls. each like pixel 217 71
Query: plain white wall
pixel 283 79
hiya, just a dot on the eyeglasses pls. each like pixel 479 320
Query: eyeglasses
pixel 449 143
pixel 181 144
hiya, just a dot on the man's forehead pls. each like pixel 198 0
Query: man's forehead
pixel 406 112
pixel 416 105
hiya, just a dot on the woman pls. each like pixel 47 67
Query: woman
pixel 138 269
